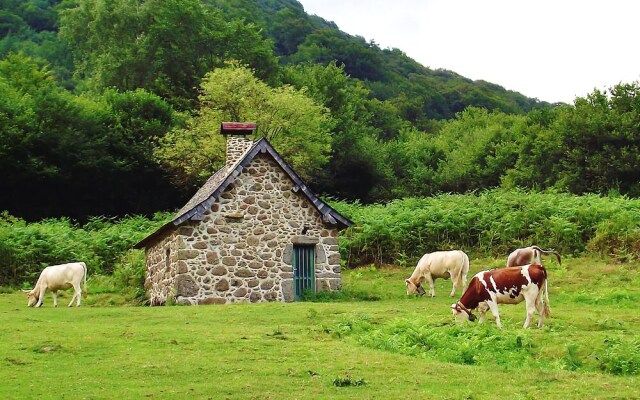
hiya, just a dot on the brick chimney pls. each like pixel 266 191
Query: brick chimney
pixel 238 141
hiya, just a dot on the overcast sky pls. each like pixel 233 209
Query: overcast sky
pixel 553 50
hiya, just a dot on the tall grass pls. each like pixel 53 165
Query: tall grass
pixel 484 345
pixel 491 223
pixel 442 341
pixel 25 248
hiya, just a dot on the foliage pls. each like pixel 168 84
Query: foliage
pixel 454 344
pixel 30 27
pixel 165 47
pixel 103 244
pixel 491 222
pixel 620 356
pixel 293 123
pixel 355 170
pixel 129 273
pixel 339 295
pixel 347 380
pixel 592 146
pixel 86 155
pixel 380 126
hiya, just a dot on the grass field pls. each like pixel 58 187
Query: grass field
pixel 389 346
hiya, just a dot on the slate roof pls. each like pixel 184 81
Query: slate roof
pixel 220 180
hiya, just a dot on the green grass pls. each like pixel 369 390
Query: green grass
pixel 382 345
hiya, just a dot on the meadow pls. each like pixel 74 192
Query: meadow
pixel 369 341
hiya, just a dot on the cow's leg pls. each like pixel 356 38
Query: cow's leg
pixel 72 298
pixel 55 298
pixel 493 306
pixel 482 316
pixel 453 291
pixel 531 306
pixel 540 309
pixel 76 295
pixel 429 279
pixel 482 312
pixel 43 290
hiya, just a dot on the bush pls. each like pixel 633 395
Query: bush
pixel 130 273
pixel 620 357
pixel 26 248
pixel 491 223
pixel 482 345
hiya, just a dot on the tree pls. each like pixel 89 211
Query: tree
pixel 361 60
pixel 356 170
pixel 478 146
pixel 601 141
pixel 296 126
pixel 76 156
pixel 162 46
pixel 290 26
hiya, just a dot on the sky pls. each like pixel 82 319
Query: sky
pixel 552 50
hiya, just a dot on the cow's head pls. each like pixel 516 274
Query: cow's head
pixel 32 297
pixel 413 288
pixel 462 313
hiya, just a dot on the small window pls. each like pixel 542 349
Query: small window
pixel 167 259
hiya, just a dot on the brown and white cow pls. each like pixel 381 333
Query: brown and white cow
pixel 59 277
pixel 509 285
pixel 452 264
pixel 529 255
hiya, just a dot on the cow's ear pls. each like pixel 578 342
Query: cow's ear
pixel 406 281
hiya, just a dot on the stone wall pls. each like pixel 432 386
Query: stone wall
pixel 161 261
pixel 241 250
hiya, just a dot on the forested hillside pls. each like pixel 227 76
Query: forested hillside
pixel 112 107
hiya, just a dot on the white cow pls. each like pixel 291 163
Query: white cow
pixel 452 264
pixel 59 277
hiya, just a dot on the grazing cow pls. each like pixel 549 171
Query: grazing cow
pixel 508 285
pixel 452 264
pixel 529 255
pixel 59 277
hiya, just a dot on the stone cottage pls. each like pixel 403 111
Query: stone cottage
pixel 253 232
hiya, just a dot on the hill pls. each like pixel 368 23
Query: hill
pixel 419 92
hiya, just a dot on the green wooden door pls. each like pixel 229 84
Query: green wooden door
pixel 304 277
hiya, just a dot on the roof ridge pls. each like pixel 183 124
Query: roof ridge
pixel 218 182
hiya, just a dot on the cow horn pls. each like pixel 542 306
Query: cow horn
pixel 26 291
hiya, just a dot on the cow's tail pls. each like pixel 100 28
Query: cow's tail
pixel 463 271
pixel 547 252
pixel 84 287
pixel 557 256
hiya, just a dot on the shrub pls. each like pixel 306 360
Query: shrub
pixel 26 248
pixel 129 273
pixel 347 380
pixel 620 357
pixel 444 342
pixel 491 223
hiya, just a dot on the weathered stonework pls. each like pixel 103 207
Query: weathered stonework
pixel 162 265
pixel 241 250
